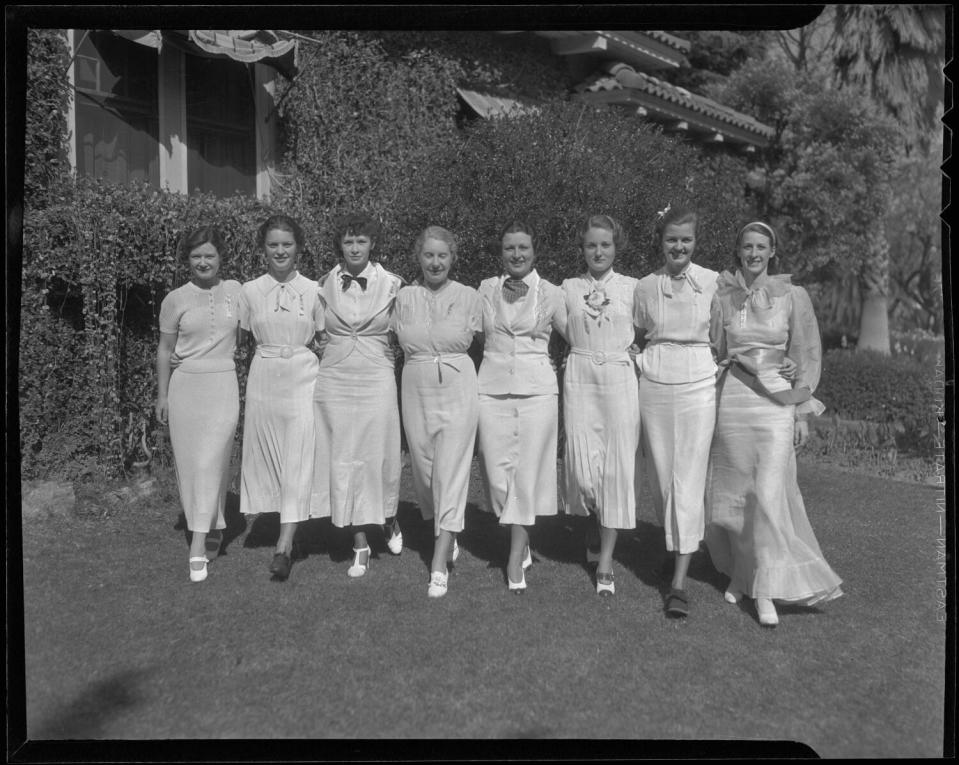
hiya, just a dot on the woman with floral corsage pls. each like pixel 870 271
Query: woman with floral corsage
pixel 519 414
pixel 357 475
pixel 435 320
pixel 601 397
pixel 757 531
pixel 281 312
pixel 198 392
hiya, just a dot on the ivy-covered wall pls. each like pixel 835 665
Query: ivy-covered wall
pixel 371 122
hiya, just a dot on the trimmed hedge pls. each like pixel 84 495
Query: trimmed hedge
pixel 895 392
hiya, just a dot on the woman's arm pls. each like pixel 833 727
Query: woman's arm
pixel 164 370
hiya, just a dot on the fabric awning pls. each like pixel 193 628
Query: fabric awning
pixel 246 45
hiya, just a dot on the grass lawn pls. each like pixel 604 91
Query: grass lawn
pixel 120 645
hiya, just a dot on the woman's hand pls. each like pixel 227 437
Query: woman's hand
pixel 633 351
pixel 788 369
pixel 162 409
pixel 800 433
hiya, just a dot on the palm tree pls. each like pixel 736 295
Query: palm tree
pixel 893 53
pixel 896 54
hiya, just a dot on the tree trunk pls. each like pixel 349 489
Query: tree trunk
pixel 874 287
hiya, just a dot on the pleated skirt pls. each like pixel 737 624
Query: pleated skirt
pixel 677 426
pixel 279 437
pixel 757 531
pixel 517 443
pixel 440 419
pixel 601 465
pixel 204 408
pixel 356 478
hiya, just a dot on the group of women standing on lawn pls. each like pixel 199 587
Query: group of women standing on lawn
pixel 640 397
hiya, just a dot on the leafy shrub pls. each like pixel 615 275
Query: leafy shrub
pixel 891 391
pixel 97 262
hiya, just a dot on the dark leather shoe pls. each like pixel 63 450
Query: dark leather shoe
pixel 281 565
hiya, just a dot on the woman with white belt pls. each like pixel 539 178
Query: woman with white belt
pixel 281 311
pixel 600 396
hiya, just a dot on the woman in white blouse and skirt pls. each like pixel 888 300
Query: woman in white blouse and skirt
pixel 757 530
pixel 357 469
pixel 280 310
pixel 198 391
pixel 435 320
pixel 519 395
pixel 677 391
pixel 600 395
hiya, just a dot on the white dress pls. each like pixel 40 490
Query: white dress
pixel 518 400
pixel 439 399
pixel 601 400
pixel 278 429
pixel 357 468
pixel 757 530
pixel 677 397
pixel 203 396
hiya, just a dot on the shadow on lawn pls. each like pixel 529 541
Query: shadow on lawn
pixel 86 716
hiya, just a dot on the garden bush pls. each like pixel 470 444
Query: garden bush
pixel 895 393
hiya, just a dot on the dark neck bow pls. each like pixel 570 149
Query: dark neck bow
pixel 514 289
pixel 347 278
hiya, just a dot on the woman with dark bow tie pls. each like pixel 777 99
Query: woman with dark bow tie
pixel 357 468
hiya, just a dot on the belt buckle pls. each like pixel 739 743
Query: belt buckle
pixel 599 357
pixel 286 352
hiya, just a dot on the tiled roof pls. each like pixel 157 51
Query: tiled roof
pixel 672 41
pixel 623 77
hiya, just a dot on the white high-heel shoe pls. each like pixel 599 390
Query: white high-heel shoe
pixel 454 551
pixel 528 560
pixel 605 586
pixel 732 595
pixel 438 584
pixel 198 575
pixel 394 537
pixel 517 588
pixel 767 612
pixel 358 569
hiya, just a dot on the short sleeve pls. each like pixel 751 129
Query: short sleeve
pixel 170 313
pixel 474 319
pixel 243 309
pixel 558 310
pixel 640 320
pixel 805 348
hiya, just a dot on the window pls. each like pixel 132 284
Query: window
pixel 221 131
pixel 116 109
pixel 208 135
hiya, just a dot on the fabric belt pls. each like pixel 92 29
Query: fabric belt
pixel 281 351
pixel 440 359
pixel 747 365
pixel 603 357
pixel 205 366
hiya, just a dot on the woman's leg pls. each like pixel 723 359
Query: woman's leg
pixel 442 547
pixel 284 544
pixel 607 541
pixel 681 569
pixel 197 550
pixel 518 545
